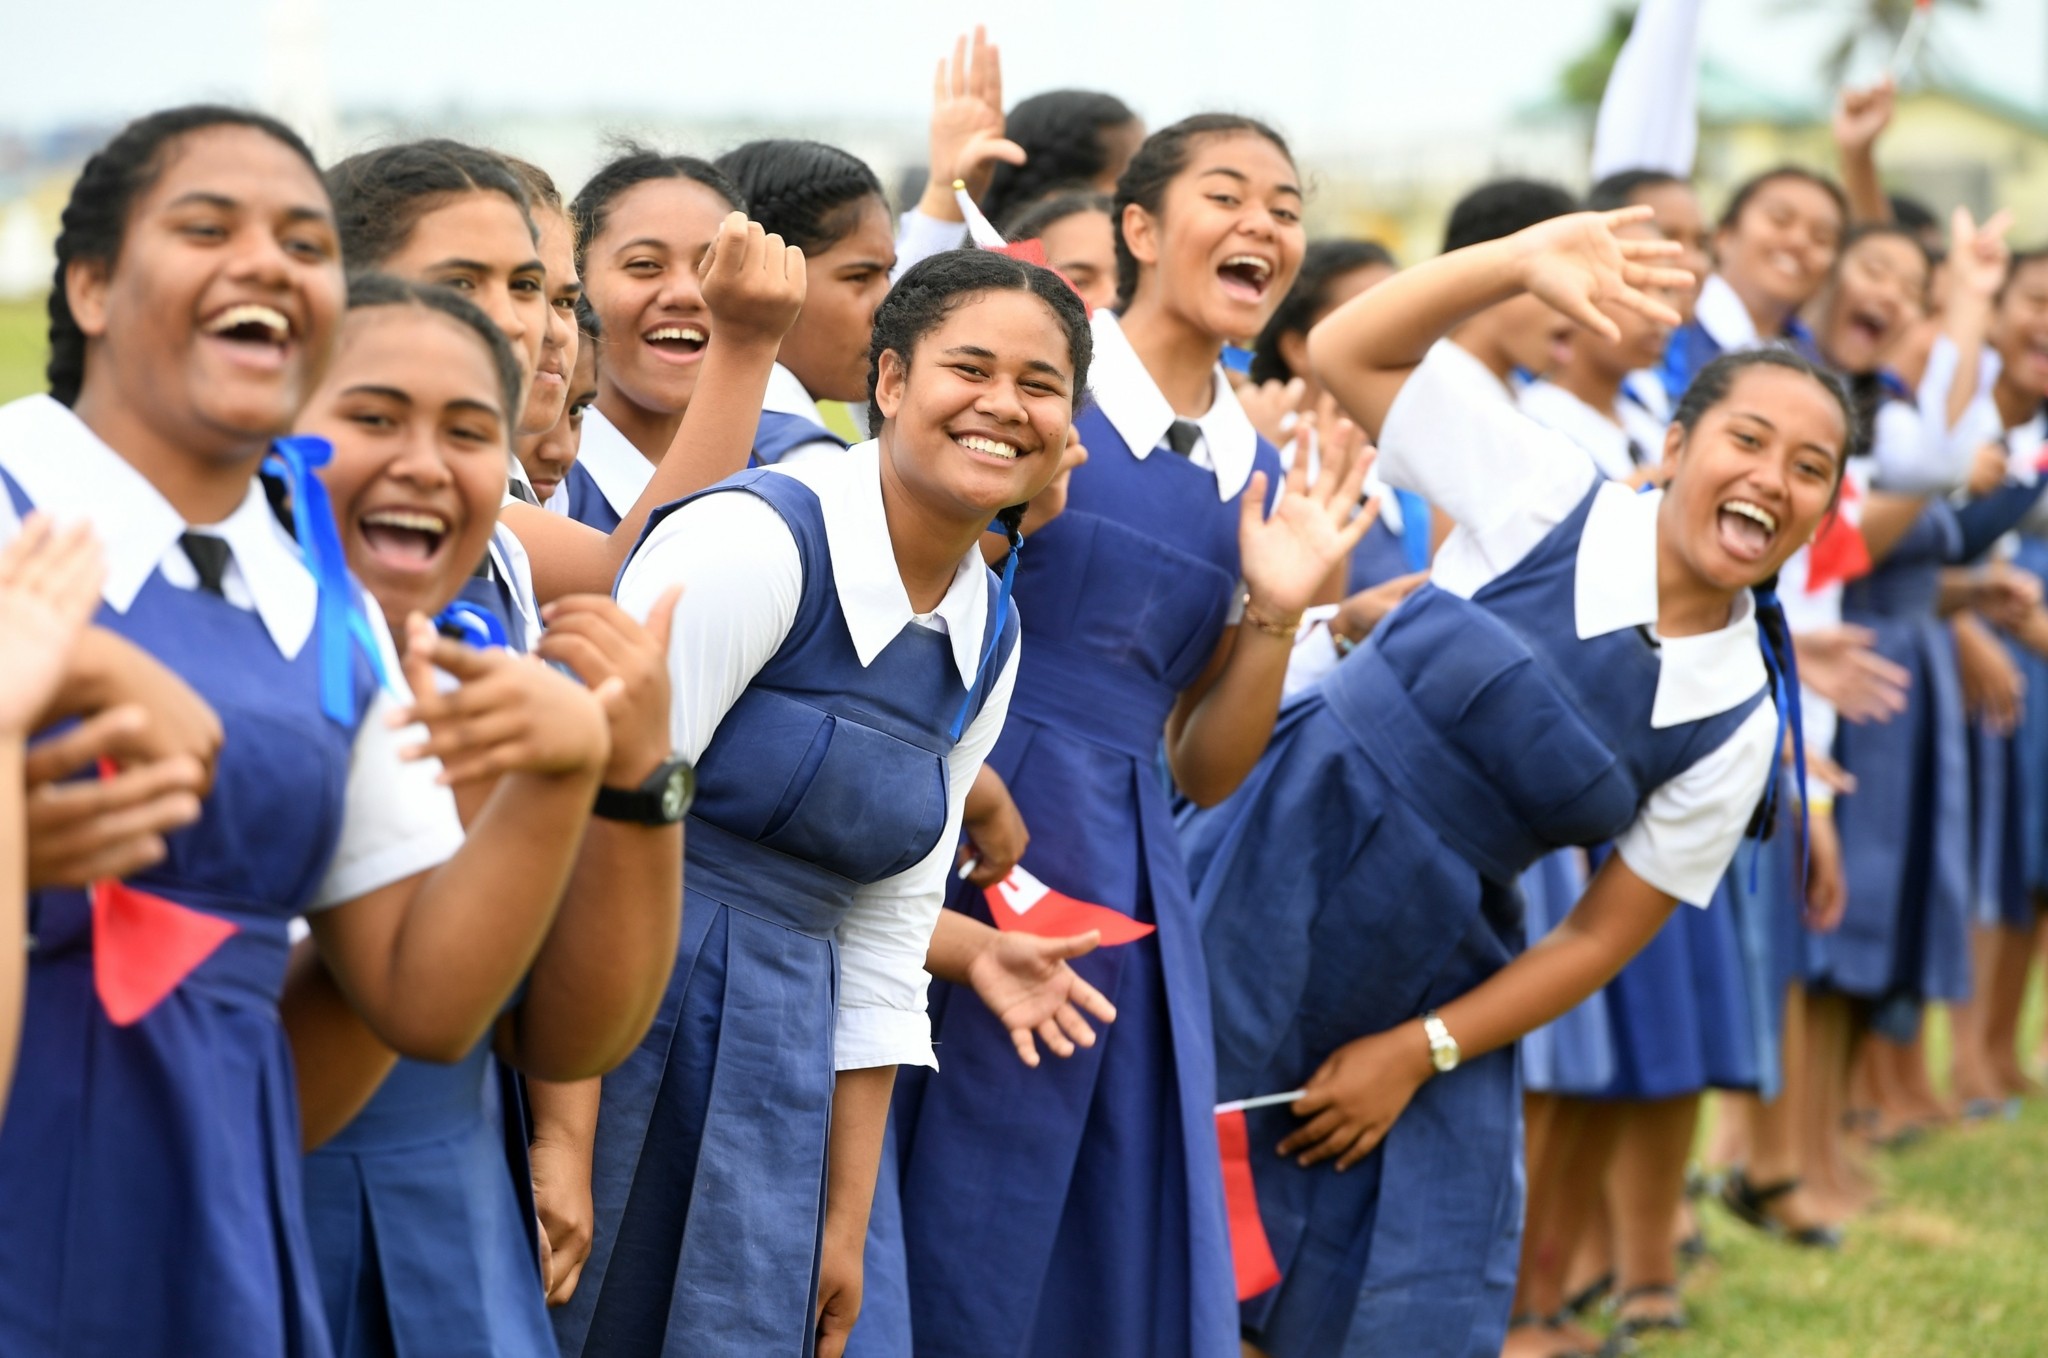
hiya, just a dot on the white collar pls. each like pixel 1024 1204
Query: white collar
pixel 1134 405
pixel 1615 586
pixel 68 472
pixel 870 587
pixel 786 396
pixel 1723 316
pixel 618 468
pixel 1603 439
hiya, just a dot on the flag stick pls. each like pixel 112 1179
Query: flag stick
pixel 1909 41
pixel 1262 1101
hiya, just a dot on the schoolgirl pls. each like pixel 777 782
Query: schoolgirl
pixel 1092 1219
pixel 198 286
pixel 1079 237
pixel 843 607
pixel 1606 683
pixel 548 457
pixel 549 395
pixel 829 205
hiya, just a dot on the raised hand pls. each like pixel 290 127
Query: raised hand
pixel 1840 664
pixel 1026 983
pixel 83 830
pixel 967 140
pixel 510 713
pixel 1578 264
pixel 1861 116
pixel 1978 255
pixel 600 641
pixel 753 283
pixel 1285 555
pixel 49 585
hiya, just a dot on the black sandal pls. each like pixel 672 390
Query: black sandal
pixel 1532 1320
pixel 1749 1203
pixel 1582 1302
pixel 1621 1340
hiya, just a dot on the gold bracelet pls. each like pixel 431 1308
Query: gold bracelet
pixel 1272 627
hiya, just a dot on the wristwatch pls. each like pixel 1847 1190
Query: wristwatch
pixel 663 799
pixel 1443 1048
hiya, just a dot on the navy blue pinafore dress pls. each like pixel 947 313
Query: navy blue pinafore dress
pixel 709 1174
pixel 149 1175
pixel 1365 873
pixel 1078 1208
pixel 421 1209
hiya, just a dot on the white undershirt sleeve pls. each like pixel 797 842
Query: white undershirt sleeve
pixel 1649 114
pixel 883 940
pixel 1689 829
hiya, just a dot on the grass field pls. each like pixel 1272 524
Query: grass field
pixel 1956 1265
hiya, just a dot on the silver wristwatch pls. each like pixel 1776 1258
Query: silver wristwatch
pixel 1443 1048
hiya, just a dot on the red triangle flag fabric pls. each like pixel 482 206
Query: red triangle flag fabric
pixel 1027 905
pixel 1838 553
pixel 144 945
pixel 1250 1252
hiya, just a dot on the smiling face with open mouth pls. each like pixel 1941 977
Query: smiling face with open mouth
pixel 1880 290
pixel 2019 331
pixel 220 309
pixel 1227 242
pixel 977 419
pixel 415 410
pixel 1753 479
pixel 1780 247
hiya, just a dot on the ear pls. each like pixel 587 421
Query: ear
pixel 1294 352
pixel 85 291
pixel 1141 234
pixel 1674 444
pixel 892 375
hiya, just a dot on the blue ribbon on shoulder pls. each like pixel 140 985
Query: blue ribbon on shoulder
pixel 995 626
pixel 340 620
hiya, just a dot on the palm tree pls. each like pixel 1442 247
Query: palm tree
pixel 1864 20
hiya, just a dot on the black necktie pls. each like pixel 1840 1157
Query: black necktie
pixel 522 492
pixel 1182 436
pixel 209 556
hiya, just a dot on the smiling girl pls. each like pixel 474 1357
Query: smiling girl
pixel 198 287
pixel 1583 665
pixel 1163 605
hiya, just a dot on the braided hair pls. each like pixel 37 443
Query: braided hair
pixel 381 195
pixel 1158 163
pixel 634 164
pixel 1061 133
pixel 95 222
pixel 807 192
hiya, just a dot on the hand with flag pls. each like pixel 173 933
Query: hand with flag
pixel 1353 1099
pixel 1026 983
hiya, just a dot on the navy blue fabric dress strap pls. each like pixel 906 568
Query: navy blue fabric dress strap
pixel 779 431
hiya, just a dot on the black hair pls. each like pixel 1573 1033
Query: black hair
pixel 1749 188
pixel 1322 264
pixel 1158 162
pixel 587 324
pixel 1713 382
pixel 538 183
pixel 371 289
pixel 634 164
pixel 381 195
pixel 934 288
pixel 95 222
pixel 2021 259
pixel 1863 231
pixel 1912 214
pixel 804 191
pixel 1619 189
pixel 1031 223
pixel 1061 133
pixel 1501 207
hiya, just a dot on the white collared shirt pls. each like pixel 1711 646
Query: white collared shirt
pixel 619 469
pixel 1915 449
pixel 1723 316
pixel 786 396
pixel 1603 437
pixel 919 237
pixel 744 579
pixel 1507 482
pixel 395 820
pixel 1132 402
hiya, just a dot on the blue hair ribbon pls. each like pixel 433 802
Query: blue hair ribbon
pixel 340 620
pixel 997 617
pixel 1415 530
pixel 1783 668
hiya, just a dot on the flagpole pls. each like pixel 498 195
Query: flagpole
pixel 1909 41
pixel 1262 1101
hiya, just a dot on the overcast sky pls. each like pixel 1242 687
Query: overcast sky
pixel 1320 68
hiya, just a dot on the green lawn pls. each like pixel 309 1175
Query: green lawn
pixel 23 326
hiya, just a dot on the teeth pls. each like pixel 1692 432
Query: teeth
pixel 413 520
pixel 1261 267
pixel 1750 511
pixel 248 313
pixel 989 446
pixel 1789 263
pixel 677 332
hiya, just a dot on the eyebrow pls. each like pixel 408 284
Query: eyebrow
pixel 1241 177
pixel 1035 364
pixel 1834 454
pixel 868 265
pixel 372 389
pixel 465 403
pixel 642 243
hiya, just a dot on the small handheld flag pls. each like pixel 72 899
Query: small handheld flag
pixel 1022 903
pixel 982 232
pixel 144 946
pixel 1908 50
pixel 1838 553
pixel 1251 1253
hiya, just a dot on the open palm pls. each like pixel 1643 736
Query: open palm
pixel 1285 555
pixel 1579 265
pixel 1026 983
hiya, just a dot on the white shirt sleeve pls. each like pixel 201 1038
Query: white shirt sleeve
pixel 742 578
pixel 884 938
pixel 919 237
pixel 396 821
pixel 1914 448
pixel 1649 114
pixel 1455 438
pixel 1315 651
pixel 1689 829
